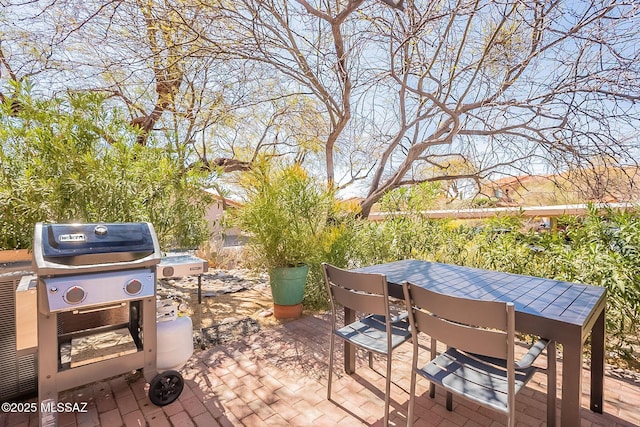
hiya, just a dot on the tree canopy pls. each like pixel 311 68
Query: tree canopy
pixel 371 97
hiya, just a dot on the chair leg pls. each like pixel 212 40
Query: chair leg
pixel 432 386
pixel 449 401
pixel 551 384
pixel 370 360
pixel 412 394
pixel 331 349
pixel 387 392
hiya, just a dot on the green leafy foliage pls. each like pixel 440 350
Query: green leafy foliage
pixel 338 247
pixel 406 233
pixel 292 219
pixel 73 159
pixel 285 213
pixel 598 249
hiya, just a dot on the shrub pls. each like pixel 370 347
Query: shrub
pixel 72 159
pixel 289 218
pixel 598 249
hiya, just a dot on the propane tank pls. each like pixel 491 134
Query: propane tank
pixel 175 336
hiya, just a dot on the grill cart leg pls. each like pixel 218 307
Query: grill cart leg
pixel 47 367
pixel 149 338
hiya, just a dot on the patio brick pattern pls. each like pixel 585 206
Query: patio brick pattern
pixel 277 377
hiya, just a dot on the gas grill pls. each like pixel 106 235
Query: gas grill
pixel 97 308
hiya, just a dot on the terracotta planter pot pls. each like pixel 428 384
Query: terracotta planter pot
pixel 283 312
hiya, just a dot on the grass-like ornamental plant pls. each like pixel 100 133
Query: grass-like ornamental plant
pixel 286 214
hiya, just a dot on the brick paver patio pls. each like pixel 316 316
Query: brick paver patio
pixel 277 377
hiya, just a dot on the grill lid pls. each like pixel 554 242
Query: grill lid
pixel 63 240
pixel 99 246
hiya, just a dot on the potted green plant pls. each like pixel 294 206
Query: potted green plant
pixel 285 215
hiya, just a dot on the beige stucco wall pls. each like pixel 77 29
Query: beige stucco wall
pixel 213 215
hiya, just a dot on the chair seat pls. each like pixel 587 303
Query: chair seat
pixel 370 333
pixel 474 379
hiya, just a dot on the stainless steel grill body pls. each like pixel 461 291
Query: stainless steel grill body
pixel 93 279
pixel 84 291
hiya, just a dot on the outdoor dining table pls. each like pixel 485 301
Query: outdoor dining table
pixel 560 311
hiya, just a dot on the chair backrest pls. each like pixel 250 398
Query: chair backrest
pixel 481 327
pixel 362 292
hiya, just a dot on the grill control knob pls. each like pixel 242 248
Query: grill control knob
pixel 74 295
pixel 133 287
pixel 100 230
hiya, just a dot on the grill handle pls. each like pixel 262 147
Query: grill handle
pixel 93 310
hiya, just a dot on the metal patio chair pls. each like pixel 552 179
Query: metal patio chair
pixel 378 332
pixel 479 363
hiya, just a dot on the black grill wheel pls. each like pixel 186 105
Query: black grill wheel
pixel 164 388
